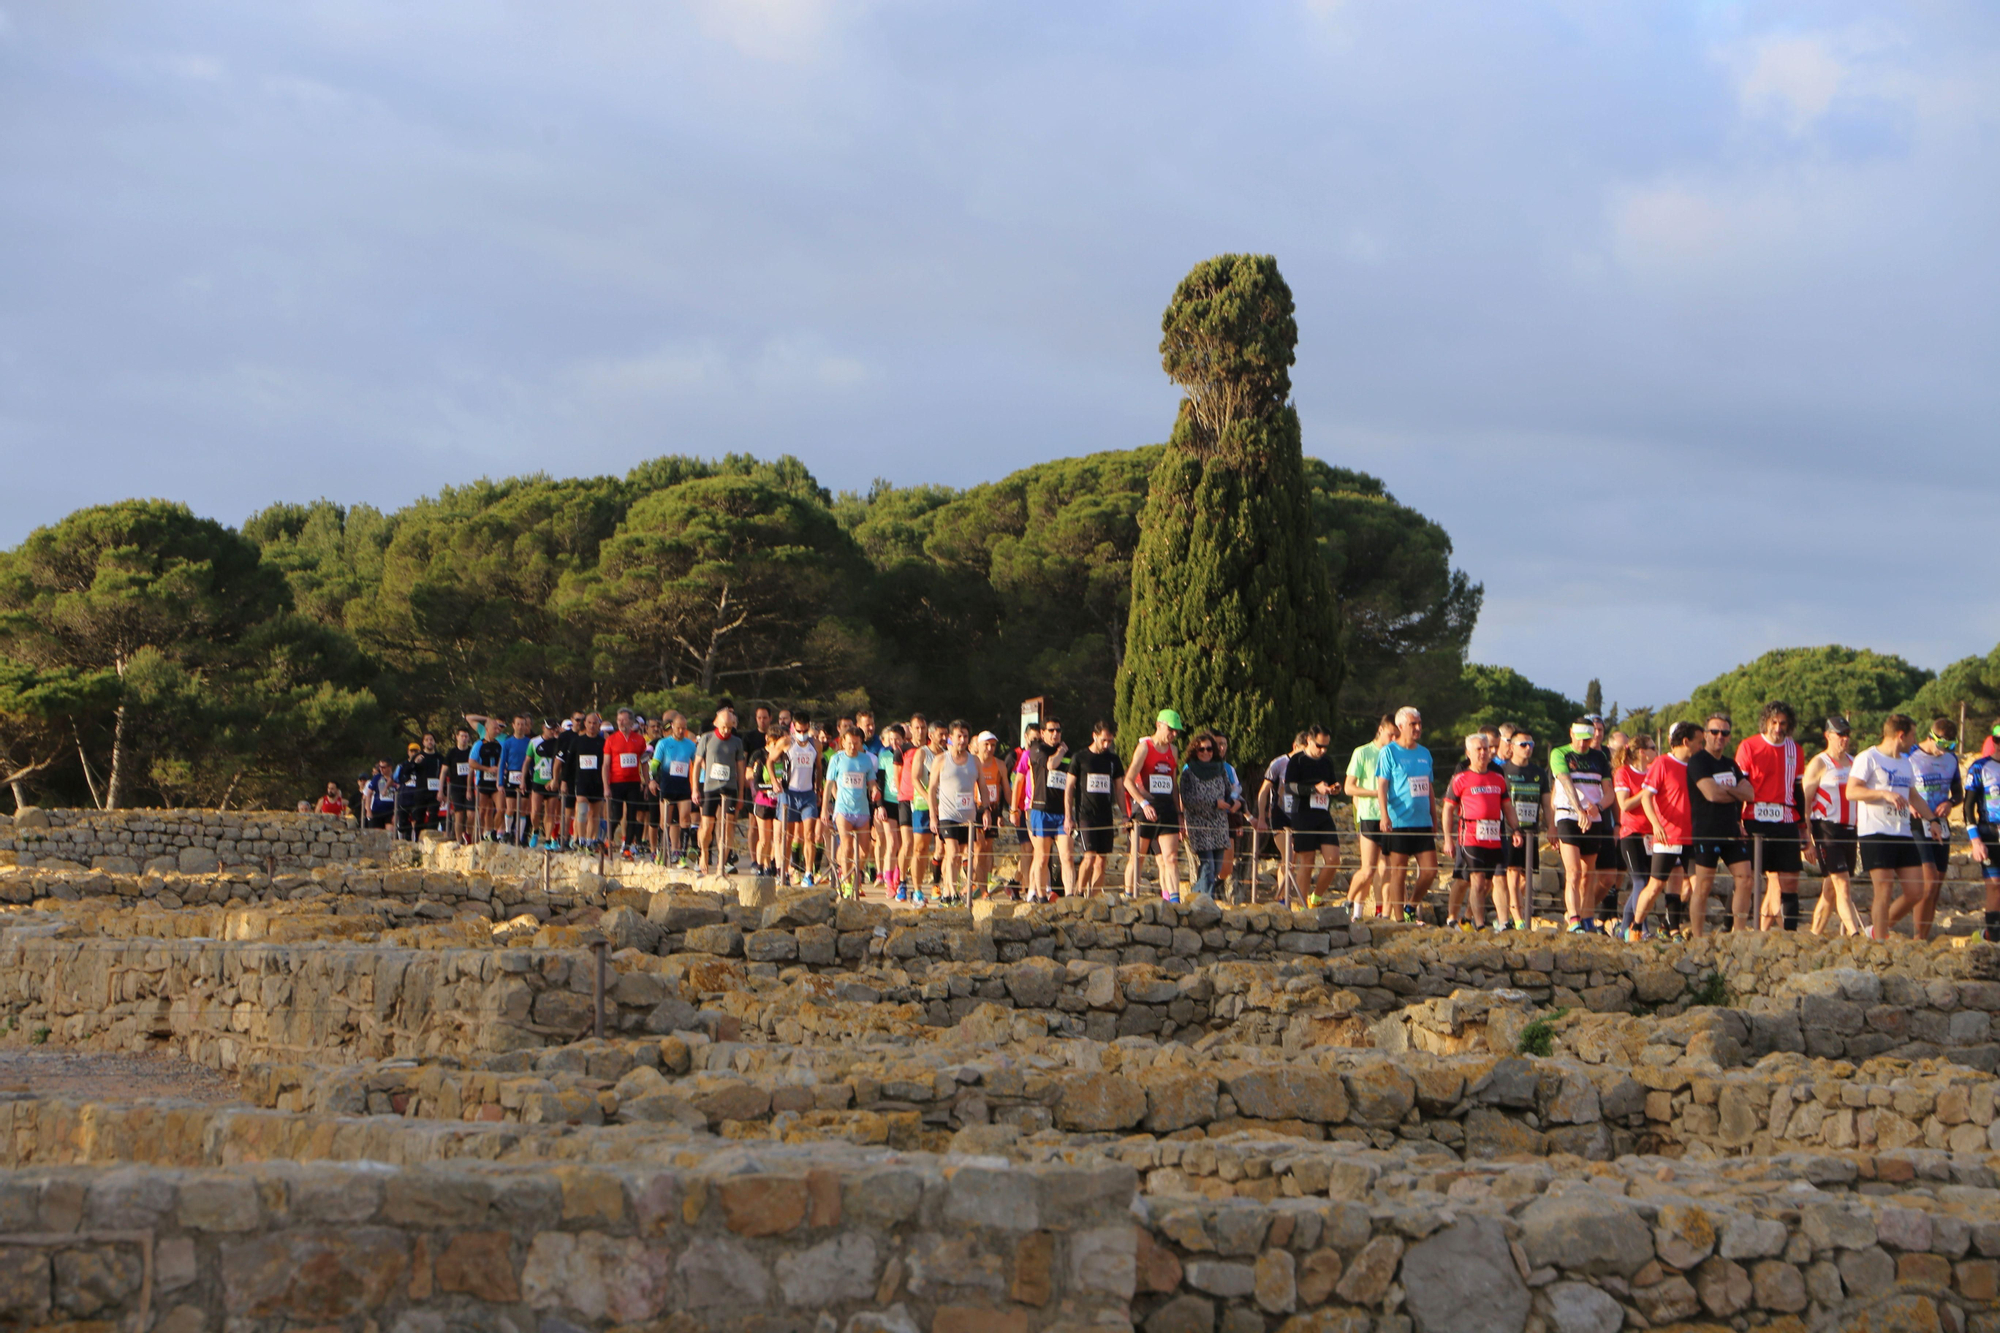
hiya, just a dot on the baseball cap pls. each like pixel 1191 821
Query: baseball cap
pixel 1581 729
pixel 1838 726
pixel 415 748
pixel 985 736
pixel 1171 718
pixel 568 724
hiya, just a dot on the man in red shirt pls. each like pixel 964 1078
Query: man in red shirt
pixel 1665 797
pixel 625 779
pixel 1477 811
pixel 1771 761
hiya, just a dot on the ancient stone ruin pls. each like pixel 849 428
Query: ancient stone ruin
pixel 481 1089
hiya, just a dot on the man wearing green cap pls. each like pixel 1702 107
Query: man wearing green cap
pixel 1149 783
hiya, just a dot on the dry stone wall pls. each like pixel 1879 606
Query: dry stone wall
pixel 181 841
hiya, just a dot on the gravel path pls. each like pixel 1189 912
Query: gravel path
pixel 102 1076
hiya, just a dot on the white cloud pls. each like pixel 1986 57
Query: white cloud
pixel 1795 78
pixel 789 31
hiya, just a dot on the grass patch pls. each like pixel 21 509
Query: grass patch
pixel 1712 991
pixel 1539 1037
pixel 39 1037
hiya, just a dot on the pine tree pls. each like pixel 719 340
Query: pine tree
pixel 1233 621
pixel 1593 697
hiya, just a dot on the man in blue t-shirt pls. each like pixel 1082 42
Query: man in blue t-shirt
pixel 673 763
pixel 1409 811
pixel 514 782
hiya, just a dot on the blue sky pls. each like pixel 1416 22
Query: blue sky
pixel 1679 317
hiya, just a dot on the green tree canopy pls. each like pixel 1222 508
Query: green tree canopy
pixel 1233 619
pixel 1858 683
pixel 1498 694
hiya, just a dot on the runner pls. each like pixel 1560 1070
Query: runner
pixel 625 751
pixel 673 765
pixel 1528 794
pixel 851 777
pixel 1982 814
pixel 1883 789
pixel 1090 808
pixel 1635 826
pixel 584 768
pixel 1205 804
pixel 1370 883
pixel 431 793
pixel 1045 784
pixel 768 765
pixel 513 780
pixel 954 796
pixel 1274 803
pixel 915 793
pixel 993 793
pixel 1409 810
pixel 378 796
pixel 410 794
pixel 1312 781
pixel 1580 775
pixel 1771 762
pixel 1670 811
pixel 1717 793
pixel 1479 817
pixel 718 760
pixel 458 786
pixel 1830 831
pixel 798 825
pixel 893 818
pixel 544 797
pixel 1150 781
pixel 1935 763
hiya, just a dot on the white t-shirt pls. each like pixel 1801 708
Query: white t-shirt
pixel 1880 772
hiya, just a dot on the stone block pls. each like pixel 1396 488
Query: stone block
pixel 1462 1279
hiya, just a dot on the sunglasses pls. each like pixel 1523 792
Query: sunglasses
pixel 1720 731
pixel 1204 749
pixel 1525 745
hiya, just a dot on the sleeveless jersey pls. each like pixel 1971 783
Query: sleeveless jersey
pixel 1157 768
pixel 1829 799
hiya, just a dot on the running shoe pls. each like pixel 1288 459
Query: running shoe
pixel 806 883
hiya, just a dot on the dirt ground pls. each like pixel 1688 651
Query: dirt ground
pixel 103 1076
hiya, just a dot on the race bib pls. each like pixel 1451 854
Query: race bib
pixel 1527 812
pixel 1486 830
pixel 628 760
pixel 1288 803
pixel 677 768
pixel 464 769
pixel 1768 812
pixel 586 762
pixel 543 770
pixel 1097 782
pixel 957 807
pixel 409 782
pixel 1667 849
pixel 992 791
pixel 1058 782
pixel 1725 779
pixel 1159 784
pixel 514 778
pixel 854 781
pixel 434 783
pixel 1318 800
pixel 1420 785
pixel 720 773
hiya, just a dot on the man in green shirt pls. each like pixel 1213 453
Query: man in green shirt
pixel 1360 786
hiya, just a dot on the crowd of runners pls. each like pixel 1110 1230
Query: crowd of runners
pixel 924 810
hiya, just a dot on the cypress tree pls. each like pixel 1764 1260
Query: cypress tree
pixel 1233 620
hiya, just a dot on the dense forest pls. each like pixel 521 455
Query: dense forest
pixel 149 656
